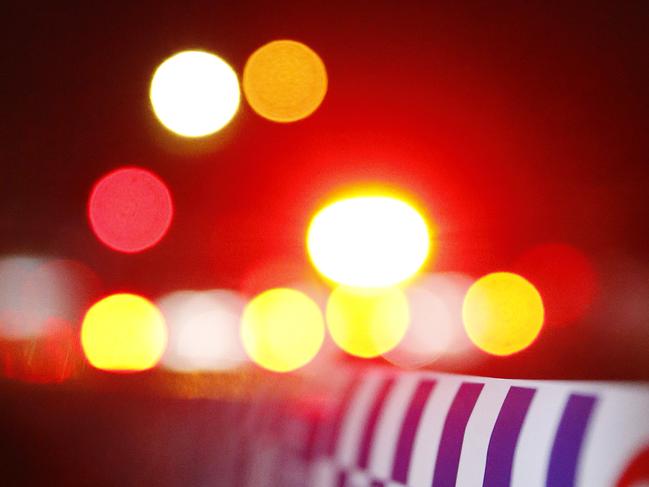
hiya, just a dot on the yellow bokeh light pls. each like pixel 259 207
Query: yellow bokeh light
pixel 502 313
pixel 282 329
pixel 194 93
pixel 368 241
pixel 123 332
pixel 367 322
pixel 284 81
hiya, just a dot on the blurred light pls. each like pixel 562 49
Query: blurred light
pixel 367 322
pixel 368 241
pixel 123 332
pixel 130 209
pixel 34 290
pixel 61 289
pixel 53 357
pixel 451 288
pixel 565 278
pixel 14 307
pixel 329 352
pixel 502 313
pixel 284 81
pixel 282 329
pixel 435 329
pixel 194 93
pixel 203 330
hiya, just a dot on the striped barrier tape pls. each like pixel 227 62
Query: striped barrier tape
pixel 390 428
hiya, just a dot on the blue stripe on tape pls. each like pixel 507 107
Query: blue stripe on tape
pixel 450 445
pixel 370 425
pixel 409 428
pixel 504 437
pixel 335 424
pixel 568 440
pixel 342 479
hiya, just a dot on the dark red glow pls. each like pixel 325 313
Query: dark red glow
pixel 53 357
pixel 130 209
pixel 564 276
pixel 281 271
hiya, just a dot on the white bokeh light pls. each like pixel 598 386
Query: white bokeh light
pixel 203 329
pixel 435 329
pixel 34 290
pixel 14 275
pixel 195 93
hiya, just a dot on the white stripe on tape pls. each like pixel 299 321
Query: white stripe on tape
pixel 387 432
pixel 478 432
pixel 429 432
pixel 536 437
pixel 350 433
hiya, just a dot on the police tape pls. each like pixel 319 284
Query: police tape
pixel 394 428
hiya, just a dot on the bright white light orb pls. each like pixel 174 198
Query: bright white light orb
pixel 203 330
pixel 368 241
pixel 194 93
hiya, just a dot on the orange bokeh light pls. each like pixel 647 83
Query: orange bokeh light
pixel 284 81
pixel 502 313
